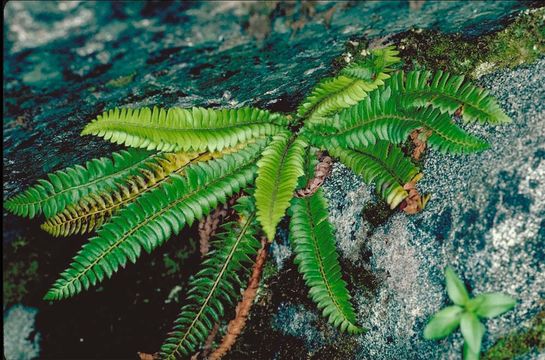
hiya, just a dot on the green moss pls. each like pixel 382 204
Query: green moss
pixel 520 342
pixel 269 270
pixel 173 262
pixel 19 272
pixel 522 41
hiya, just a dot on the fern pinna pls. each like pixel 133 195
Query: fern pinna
pixel 182 163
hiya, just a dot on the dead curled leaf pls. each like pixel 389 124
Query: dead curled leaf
pixel 209 224
pixel 419 137
pixel 146 356
pixel 235 326
pixel 414 203
pixel 321 172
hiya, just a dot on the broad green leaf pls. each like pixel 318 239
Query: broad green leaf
pixel 456 289
pixel 468 354
pixel 472 330
pixel 443 322
pixel 494 304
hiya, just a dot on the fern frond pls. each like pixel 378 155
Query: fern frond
pixel 68 186
pixel 195 129
pixel 279 169
pixel 313 240
pixel 309 166
pixel 351 86
pixel 152 218
pixel 94 209
pixel 214 285
pixel 448 93
pixel 382 163
pixel 376 65
pixel 381 116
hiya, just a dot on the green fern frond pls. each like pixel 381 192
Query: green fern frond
pixel 376 65
pixel 448 93
pixel 195 129
pixel 351 86
pixel 309 166
pixel 214 285
pixel 279 169
pixel 94 209
pixel 381 116
pixel 152 218
pixel 384 164
pixel 68 186
pixel 313 240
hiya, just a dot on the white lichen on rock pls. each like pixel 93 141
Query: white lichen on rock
pixel 20 340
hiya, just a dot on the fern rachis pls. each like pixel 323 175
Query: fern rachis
pixel 140 199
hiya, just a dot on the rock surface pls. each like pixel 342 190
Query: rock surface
pixel 65 62
pixel 485 218
pixel 21 342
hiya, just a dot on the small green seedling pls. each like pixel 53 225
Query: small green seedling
pixel 466 313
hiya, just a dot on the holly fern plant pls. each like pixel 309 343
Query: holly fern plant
pixel 182 163
pixel 466 314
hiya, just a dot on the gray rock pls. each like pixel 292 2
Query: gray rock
pixel 485 218
pixel 20 340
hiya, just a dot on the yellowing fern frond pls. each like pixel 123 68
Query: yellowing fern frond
pixel 68 186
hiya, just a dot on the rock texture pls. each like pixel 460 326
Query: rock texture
pixel 66 62
pixel 485 218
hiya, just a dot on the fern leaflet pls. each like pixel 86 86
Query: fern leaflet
pixel 195 129
pixel 384 164
pixel 279 169
pixel 95 209
pixel 68 186
pixel 350 86
pixel 448 93
pixel 381 116
pixel 154 217
pixel 215 284
pixel 313 240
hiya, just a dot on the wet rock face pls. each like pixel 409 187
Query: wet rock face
pixel 485 218
pixel 67 62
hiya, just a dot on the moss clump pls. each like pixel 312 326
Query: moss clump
pixel 520 342
pixel 20 271
pixel 173 262
pixel 522 41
